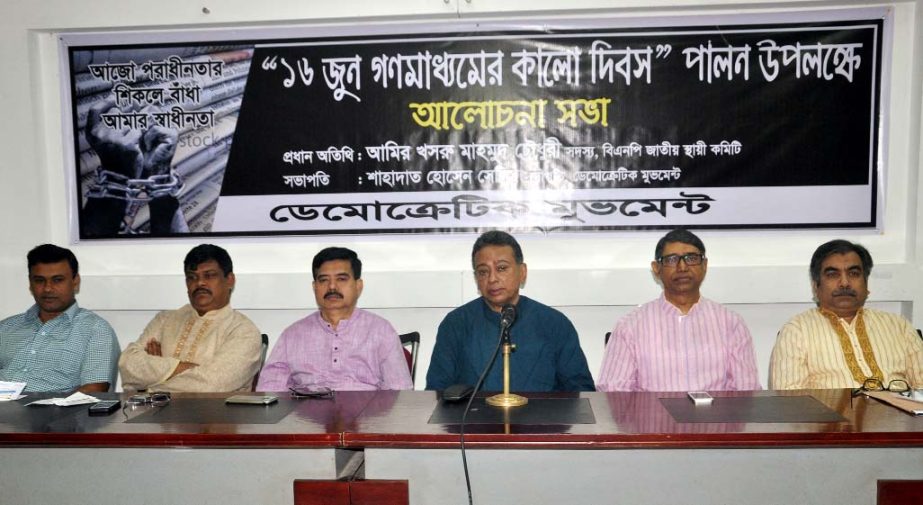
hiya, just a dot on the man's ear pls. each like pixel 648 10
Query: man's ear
pixel 77 284
pixel 232 280
pixel 359 285
pixel 656 269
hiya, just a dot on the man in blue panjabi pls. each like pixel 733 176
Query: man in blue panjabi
pixel 547 356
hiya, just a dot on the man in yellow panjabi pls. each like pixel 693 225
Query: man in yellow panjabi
pixel 841 343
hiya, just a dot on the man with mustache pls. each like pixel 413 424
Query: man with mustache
pixel 339 347
pixel 841 343
pixel 56 345
pixel 548 356
pixel 682 341
pixel 205 346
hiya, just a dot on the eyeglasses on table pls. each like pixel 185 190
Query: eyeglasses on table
pixel 875 384
pixel 153 399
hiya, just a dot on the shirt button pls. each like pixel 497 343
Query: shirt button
pixel 335 349
pixel 334 360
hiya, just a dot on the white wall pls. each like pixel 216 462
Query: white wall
pixel 414 280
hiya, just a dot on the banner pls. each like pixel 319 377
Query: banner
pixel 732 127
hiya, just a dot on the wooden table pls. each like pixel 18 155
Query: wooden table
pixel 62 455
pixel 634 453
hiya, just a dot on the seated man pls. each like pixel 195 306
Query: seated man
pixel 842 344
pixel 340 347
pixel 56 345
pixel 547 356
pixel 681 341
pixel 205 346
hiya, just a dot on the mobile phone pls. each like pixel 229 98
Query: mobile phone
pixel 104 407
pixel 457 392
pixel 252 400
pixel 700 398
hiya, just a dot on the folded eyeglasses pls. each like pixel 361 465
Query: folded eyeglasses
pixel 306 392
pixel 899 386
pixel 154 399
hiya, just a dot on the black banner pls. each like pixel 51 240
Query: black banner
pixel 738 126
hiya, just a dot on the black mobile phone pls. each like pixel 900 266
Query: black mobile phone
pixel 104 407
pixel 457 392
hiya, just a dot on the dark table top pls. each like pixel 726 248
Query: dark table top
pixel 402 419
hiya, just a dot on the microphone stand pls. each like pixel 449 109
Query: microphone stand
pixel 506 399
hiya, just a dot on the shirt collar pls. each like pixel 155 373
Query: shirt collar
pixel 221 313
pixel 342 326
pixel 31 315
pixel 666 305
pixel 848 324
pixel 492 316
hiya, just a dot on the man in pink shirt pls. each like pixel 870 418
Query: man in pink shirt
pixel 340 347
pixel 681 341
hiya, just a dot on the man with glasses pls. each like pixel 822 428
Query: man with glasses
pixel 340 347
pixel 547 356
pixel 682 341
pixel 841 343
pixel 205 346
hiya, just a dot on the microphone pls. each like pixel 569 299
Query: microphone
pixel 507 316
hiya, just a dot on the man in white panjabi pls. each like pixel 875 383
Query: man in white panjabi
pixel 205 346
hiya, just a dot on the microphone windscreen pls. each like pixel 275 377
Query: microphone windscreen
pixel 507 315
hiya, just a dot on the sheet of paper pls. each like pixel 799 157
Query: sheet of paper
pixel 11 390
pixel 77 398
pixel 898 401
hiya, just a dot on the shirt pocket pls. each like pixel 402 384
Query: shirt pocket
pixel 67 365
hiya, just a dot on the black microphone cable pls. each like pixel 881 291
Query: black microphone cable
pixel 509 312
pixel 477 387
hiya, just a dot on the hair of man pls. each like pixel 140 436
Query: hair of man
pixel 50 253
pixel 497 238
pixel 337 253
pixel 682 236
pixel 208 252
pixel 839 246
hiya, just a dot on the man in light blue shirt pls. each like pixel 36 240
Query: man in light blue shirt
pixel 56 345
